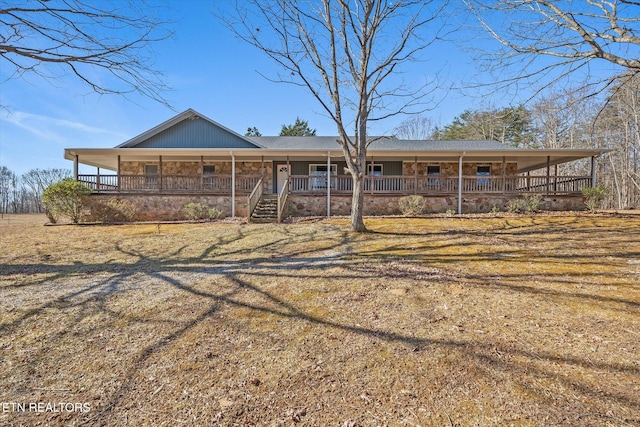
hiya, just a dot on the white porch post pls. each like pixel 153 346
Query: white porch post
pixel 75 167
pixel 201 173
pixel 233 184
pixel 118 173
pixel 593 171
pixel 328 183
pixel 98 179
pixel 460 183
pixel 160 172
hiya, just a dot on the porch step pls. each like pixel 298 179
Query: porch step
pixel 267 209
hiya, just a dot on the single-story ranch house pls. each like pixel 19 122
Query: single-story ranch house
pixel 191 158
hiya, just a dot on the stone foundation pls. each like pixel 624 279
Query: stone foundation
pixel 168 207
pixel 301 205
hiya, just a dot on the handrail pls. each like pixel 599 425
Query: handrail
pixel 341 184
pixel 282 199
pixel 254 198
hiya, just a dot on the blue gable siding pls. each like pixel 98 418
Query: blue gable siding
pixel 194 133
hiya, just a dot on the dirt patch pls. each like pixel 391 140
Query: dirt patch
pixel 523 320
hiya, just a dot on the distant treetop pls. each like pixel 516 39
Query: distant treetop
pixel 252 131
pixel 299 128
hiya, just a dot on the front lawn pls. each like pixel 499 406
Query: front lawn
pixel 523 321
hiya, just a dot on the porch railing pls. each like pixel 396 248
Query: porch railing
pixel 442 185
pixel 282 199
pixel 309 184
pixel 169 183
pixel 254 198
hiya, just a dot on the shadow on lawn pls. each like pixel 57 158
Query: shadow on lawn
pixel 302 263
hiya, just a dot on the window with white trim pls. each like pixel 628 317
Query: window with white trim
pixel 321 169
pixel 319 176
pixel 374 169
pixel 483 171
pixel 433 173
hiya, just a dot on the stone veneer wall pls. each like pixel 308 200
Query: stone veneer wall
pixel 193 168
pixel 168 207
pixel 303 205
pixel 451 169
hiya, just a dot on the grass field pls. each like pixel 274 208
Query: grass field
pixel 519 321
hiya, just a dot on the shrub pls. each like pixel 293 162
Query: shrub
pixel 66 197
pixel 527 204
pixel 214 213
pixel 197 211
pixel 412 205
pixel 532 203
pixel 515 205
pixel 194 211
pixel 450 212
pixel 113 210
pixel 594 196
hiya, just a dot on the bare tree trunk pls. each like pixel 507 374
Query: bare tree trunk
pixel 357 204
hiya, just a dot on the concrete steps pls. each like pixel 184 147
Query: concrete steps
pixel 267 209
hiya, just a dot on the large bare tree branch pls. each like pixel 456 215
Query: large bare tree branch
pixel 52 37
pixel 571 35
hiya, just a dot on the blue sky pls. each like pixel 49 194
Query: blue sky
pixel 208 70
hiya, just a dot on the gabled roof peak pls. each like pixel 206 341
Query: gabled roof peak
pixel 152 136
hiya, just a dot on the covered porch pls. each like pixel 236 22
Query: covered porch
pixel 251 173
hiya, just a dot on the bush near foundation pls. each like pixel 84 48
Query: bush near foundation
pixel 67 197
pixel 526 204
pixel 112 210
pixel 412 205
pixel 199 211
pixel 594 196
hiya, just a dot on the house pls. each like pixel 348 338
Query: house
pixel 191 158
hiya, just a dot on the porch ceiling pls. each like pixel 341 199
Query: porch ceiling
pixel 527 160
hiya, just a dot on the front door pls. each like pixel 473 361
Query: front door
pixel 282 175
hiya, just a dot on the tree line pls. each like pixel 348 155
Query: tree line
pixel 23 193
pixel 562 119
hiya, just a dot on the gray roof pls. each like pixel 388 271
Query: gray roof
pixel 384 143
pixel 193 130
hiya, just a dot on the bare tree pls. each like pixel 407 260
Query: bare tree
pixel 36 180
pixel 348 55
pixel 7 180
pixel 618 128
pixel 416 127
pixel 78 37
pixel 569 34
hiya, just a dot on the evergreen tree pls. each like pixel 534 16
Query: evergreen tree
pixel 299 128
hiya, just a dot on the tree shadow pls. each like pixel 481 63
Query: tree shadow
pixel 246 274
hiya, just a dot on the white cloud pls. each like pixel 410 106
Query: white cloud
pixel 54 129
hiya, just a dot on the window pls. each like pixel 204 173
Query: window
pixel 483 171
pixel 433 171
pixel 151 174
pixel 319 174
pixel 208 172
pixel 151 169
pixel 374 170
pixel 318 170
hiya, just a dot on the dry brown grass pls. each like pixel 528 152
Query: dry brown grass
pixel 520 321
